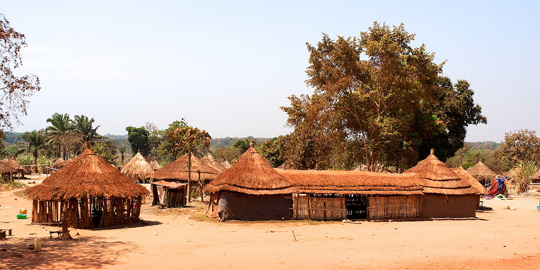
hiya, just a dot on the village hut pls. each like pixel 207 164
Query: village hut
pixel 338 195
pixel 226 164
pixel 446 194
pixel 535 178
pixel 482 173
pixel 12 167
pixel 250 190
pixel 170 182
pixel 155 165
pixel 472 181
pixel 7 170
pixel 137 169
pixel 209 160
pixel 60 163
pixel 88 192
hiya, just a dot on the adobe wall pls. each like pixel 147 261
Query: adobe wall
pixel 451 206
pixel 251 207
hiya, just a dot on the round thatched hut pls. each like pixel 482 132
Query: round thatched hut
pixel 88 192
pixel 155 165
pixel 250 190
pixel 446 194
pixel 209 160
pixel 482 173
pixel 137 169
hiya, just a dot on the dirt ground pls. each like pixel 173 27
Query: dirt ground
pixel 184 239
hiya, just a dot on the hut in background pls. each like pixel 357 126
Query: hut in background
pixel 209 160
pixel 338 195
pixel 226 164
pixel 172 189
pixel 13 167
pixel 482 173
pixel 88 192
pixel 60 163
pixel 155 165
pixel 250 190
pixel 7 170
pixel 471 180
pixel 446 194
pixel 137 169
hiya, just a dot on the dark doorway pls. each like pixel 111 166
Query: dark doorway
pixel 356 206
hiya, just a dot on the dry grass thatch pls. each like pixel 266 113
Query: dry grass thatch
pixel 226 164
pixel 10 166
pixel 439 179
pixel 353 182
pixel 88 175
pixel 480 169
pixel 209 160
pixel 155 165
pixel 472 181
pixel 60 163
pixel 253 175
pixel 178 170
pixel 138 169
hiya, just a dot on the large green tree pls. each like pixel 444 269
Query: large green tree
pixel 375 92
pixel 61 132
pixel 14 90
pixel 85 126
pixel 138 138
pixel 36 141
pixel 168 143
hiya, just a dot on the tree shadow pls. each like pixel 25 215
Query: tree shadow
pixel 142 223
pixel 79 253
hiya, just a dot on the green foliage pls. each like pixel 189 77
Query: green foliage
pixel 168 143
pixel 525 170
pixel 270 150
pixel 243 144
pixel 138 138
pixel 36 141
pixel 63 135
pixel 15 89
pixel 106 149
pixel 84 126
pixel 226 153
pixel 25 159
pixel 43 163
pixel 122 150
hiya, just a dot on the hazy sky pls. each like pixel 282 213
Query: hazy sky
pixel 227 66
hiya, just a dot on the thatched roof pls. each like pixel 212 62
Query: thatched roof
pixel 10 166
pixel 60 163
pixel 472 181
pixel 480 169
pixel 253 175
pixel 439 179
pixel 226 164
pixel 155 165
pixel 511 173
pixel 88 175
pixel 138 168
pixel 178 170
pixel 536 175
pixel 209 160
pixel 352 182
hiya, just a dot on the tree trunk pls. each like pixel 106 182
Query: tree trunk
pixel 65 231
pixel 201 184
pixel 189 178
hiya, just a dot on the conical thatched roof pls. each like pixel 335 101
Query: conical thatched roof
pixel 60 163
pixel 178 170
pixel 480 169
pixel 253 175
pixel 472 181
pixel 209 160
pixel 10 166
pixel 155 165
pixel 439 179
pixel 88 175
pixel 511 173
pixel 138 168
pixel 536 175
pixel 226 164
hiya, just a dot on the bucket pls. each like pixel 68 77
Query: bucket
pixel 21 216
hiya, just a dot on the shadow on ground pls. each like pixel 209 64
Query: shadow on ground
pixel 142 223
pixel 80 253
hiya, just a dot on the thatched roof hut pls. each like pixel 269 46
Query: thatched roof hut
pixel 155 165
pixel 472 181
pixel 137 169
pixel 252 175
pixel 209 160
pixel 178 170
pixel 90 190
pixel 60 163
pixel 226 164
pixel 10 166
pixel 482 173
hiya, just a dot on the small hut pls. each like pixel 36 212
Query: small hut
pixel 472 181
pixel 338 195
pixel 482 173
pixel 226 164
pixel 177 172
pixel 250 190
pixel 137 169
pixel 60 163
pixel 446 194
pixel 155 165
pixel 88 192
pixel 7 170
pixel 209 160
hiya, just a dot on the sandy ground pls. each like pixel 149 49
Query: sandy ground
pixel 181 239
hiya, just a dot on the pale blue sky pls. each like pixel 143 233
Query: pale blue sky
pixel 227 66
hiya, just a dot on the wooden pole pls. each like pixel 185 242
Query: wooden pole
pixel 189 178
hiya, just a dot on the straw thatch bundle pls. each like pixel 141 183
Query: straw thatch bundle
pixel 178 170
pixel 138 169
pixel 155 165
pixel 472 181
pixel 352 182
pixel 209 160
pixel 439 179
pixel 481 170
pixel 88 175
pixel 252 175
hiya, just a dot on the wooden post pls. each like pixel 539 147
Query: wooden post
pixel 189 178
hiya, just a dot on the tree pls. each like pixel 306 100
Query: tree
pixel 270 150
pixel 375 92
pixel 36 141
pixel 525 170
pixel 243 144
pixel 189 141
pixel 168 143
pixel 15 90
pixel 519 147
pixel 106 149
pixel 138 138
pixel 62 133
pixel 122 150
pixel 84 126
pixel 154 139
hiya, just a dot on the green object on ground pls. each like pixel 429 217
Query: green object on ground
pixel 21 216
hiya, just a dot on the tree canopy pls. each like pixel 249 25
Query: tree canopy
pixel 378 94
pixel 138 138
pixel 14 90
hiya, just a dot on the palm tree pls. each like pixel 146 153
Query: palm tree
pixel 189 141
pixel 122 150
pixel 36 141
pixel 83 125
pixel 60 132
